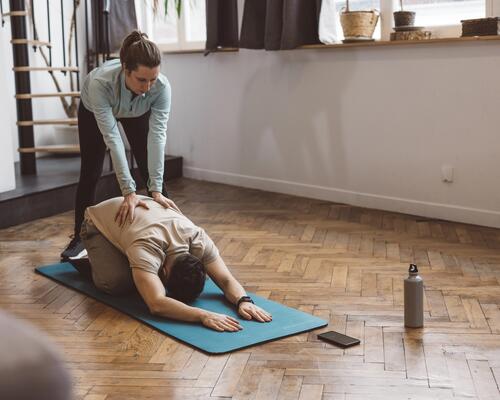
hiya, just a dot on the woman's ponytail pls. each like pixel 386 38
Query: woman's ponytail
pixel 137 50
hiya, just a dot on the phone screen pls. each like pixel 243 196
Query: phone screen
pixel 338 338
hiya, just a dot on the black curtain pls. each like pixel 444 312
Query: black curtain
pixel 222 24
pixel 280 24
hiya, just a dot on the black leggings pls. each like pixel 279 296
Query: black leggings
pixel 93 150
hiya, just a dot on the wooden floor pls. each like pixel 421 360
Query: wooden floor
pixel 342 263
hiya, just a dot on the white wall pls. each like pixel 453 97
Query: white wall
pixel 7 110
pixel 364 126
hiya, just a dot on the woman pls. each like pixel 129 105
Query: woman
pixel 130 90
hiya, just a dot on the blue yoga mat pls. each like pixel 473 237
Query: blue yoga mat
pixel 286 321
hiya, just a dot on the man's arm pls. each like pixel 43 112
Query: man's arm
pixel 220 274
pixel 153 293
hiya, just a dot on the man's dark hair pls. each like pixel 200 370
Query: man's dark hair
pixel 186 279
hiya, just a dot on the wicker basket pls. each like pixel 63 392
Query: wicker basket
pixel 481 26
pixel 359 24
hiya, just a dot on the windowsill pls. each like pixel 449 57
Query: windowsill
pixel 377 43
pixel 201 51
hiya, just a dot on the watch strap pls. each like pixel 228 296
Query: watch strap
pixel 244 299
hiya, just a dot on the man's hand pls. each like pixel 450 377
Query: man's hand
pixel 165 202
pixel 250 311
pixel 220 322
pixel 127 208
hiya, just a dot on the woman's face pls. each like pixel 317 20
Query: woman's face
pixel 141 79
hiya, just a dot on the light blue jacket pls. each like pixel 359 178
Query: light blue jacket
pixel 104 93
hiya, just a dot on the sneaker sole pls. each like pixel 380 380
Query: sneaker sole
pixel 81 254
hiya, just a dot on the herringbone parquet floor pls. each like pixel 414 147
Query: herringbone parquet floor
pixel 343 263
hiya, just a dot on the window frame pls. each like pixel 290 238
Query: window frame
pixel 387 7
pixel 146 23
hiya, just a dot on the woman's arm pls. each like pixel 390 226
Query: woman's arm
pixel 106 121
pixel 157 138
pixel 101 107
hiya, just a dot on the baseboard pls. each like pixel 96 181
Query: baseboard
pixel 407 206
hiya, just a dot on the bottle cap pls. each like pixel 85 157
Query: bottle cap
pixel 413 269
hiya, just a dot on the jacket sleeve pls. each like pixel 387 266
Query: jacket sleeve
pixel 157 138
pixel 100 97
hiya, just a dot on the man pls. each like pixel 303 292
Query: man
pixel 161 251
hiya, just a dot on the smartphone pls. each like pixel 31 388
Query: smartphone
pixel 338 339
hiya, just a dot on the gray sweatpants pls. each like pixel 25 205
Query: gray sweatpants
pixel 111 271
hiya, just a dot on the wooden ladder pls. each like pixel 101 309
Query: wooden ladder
pixel 26 95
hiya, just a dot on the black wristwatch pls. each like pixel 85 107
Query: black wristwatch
pixel 244 299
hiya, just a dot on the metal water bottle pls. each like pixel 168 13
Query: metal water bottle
pixel 414 299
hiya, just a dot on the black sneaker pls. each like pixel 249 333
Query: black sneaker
pixel 75 249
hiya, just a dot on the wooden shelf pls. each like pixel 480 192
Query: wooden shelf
pixel 201 51
pixel 58 94
pixel 68 121
pixel 56 148
pixel 32 69
pixel 31 42
pixel 378 43
pixel 15 14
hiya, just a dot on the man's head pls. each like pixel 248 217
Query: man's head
pixel 185 280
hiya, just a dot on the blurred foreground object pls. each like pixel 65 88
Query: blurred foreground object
pixel 30 367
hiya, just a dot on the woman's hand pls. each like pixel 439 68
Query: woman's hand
pixel 220 322
pixel 165 202
pixel 127 208
pixel 250 311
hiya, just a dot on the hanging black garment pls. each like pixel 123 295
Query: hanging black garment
pixel 112 20
pixel 280 24
pixel 222 24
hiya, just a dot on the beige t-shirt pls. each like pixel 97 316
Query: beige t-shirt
pixel 153 236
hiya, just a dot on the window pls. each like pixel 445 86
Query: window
pixel 442 17
pixel 445 12
pixel 195 22
pixel 188 31
pixel 173 32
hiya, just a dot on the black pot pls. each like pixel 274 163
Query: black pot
pixel 404 18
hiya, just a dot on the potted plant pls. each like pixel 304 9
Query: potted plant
pixel 403 18
pixel 358 25
pixel 177 5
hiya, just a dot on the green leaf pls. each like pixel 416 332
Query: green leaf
pixel 178 5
